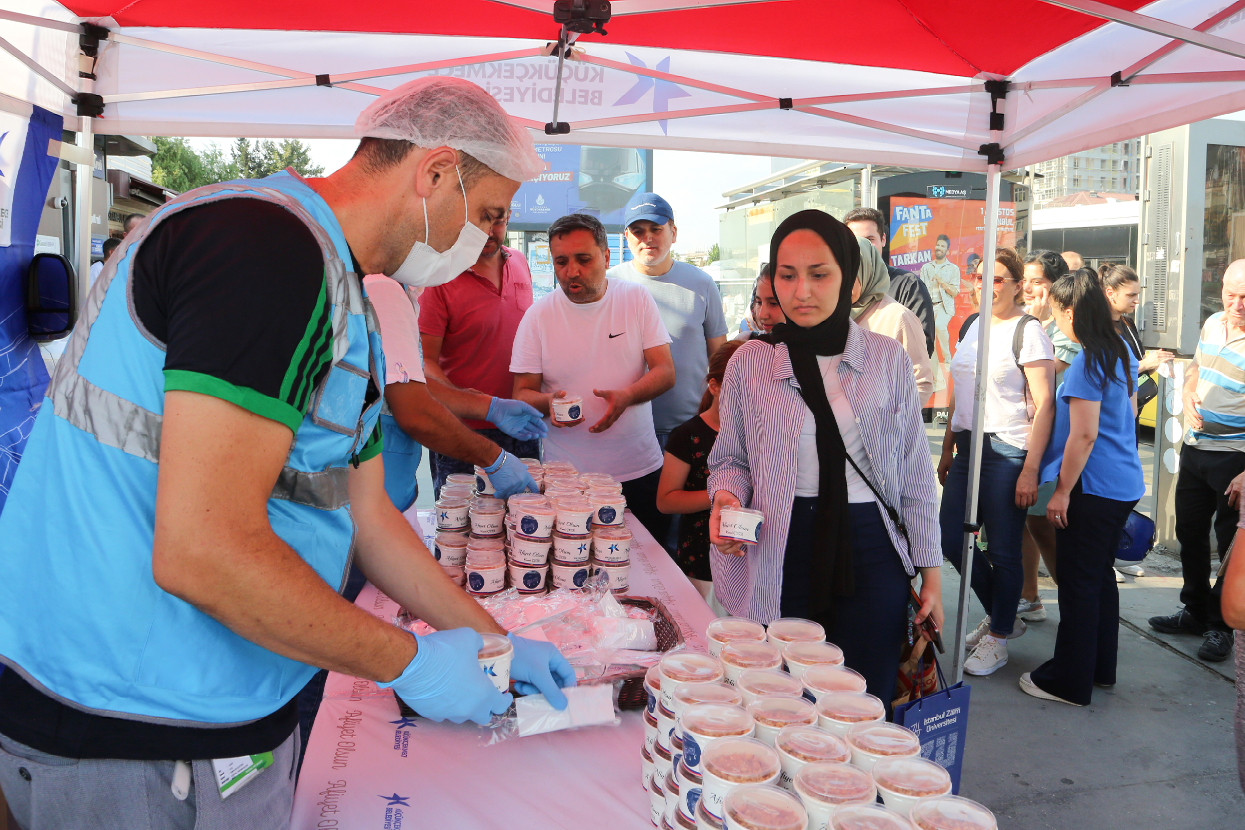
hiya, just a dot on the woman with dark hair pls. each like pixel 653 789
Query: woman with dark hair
pixel 1123 289
pixel 1093 461
pixel 685 475
pixel 822 432
pixel 763 311
pixel 1019 410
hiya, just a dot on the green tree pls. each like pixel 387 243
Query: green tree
pixel 715 253
pixel 289 153
pixel 245 161
pixel 177 166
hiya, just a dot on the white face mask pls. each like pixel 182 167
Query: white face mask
pixel 425 267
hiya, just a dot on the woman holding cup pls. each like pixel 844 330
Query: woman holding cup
pixel 821 432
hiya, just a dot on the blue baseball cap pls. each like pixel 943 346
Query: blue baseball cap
pixel 647 207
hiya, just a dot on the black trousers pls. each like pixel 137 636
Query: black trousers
pixel 641 495
pixel 1204 476
pixel 1087 643
pixel 871 624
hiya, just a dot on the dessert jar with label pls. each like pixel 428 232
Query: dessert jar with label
pixel 764 807
pixel 732 763
pixel 742 655
pixel 826 786
pixel 902 782
pixel 799 746
pixel 725 630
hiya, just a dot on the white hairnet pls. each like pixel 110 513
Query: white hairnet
pixel 440 111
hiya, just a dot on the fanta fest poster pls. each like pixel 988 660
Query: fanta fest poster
pixel 940 240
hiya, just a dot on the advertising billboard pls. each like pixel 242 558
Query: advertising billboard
pixel 594 180
pixel 941 240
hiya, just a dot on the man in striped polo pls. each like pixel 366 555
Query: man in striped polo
pixel 1212 456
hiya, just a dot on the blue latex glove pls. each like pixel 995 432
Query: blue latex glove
pixel 517 419
pixel 510 475
pixel 444 681
pixel 539 667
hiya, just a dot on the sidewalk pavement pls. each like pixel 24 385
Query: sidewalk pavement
pixel 1156 751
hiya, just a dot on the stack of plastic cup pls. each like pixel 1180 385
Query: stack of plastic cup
pixel 732 763
pixel 611 553
pixel 485 566
pixel 799 746
pixel 607 507
pixel 488 517
pixel 839 711
pixel 703 725
pixel 461 492
pixel 452 514
pixel 531 520
pixel 764 808
pixel 826 786
pixel 902 782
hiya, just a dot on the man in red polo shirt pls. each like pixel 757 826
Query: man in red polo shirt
pixel 467 327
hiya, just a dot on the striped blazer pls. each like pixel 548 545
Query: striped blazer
pixel 755 458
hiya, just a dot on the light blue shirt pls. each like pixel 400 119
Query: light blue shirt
pixel 1113 470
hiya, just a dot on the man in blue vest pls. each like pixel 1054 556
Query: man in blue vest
pixel 204 468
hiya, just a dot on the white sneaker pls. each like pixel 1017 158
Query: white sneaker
pixel 974 636
pixel 1031 611
pixel 1130 568
pixel 1119 577
pixel 989 656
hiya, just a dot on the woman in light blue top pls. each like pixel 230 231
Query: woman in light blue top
pixel 1092 458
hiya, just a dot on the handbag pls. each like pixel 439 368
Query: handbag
pixel 1136 538
pixel 940 722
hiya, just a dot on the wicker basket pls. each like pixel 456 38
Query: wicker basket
pixel 632 695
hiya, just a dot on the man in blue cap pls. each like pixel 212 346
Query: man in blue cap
pixel 688 300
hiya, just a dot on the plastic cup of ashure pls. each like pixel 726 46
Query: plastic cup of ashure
pixel 533 520
pixel 568 409
pixel 657 798
pixel 607 508
pixel 525 551
pixel 821 680
pixel 732 763
pixel 868 817
pixel 741 523
pixel 725 630
pixel 764 807
pixel 704 724
pixel 451 514
pixel 618 574
pixel 568 574
pixel 741 655
pixel 803 655
pixel 488 519
pixel 795 630
pixel 825 786
pixel 799 746
pixel 952 812
pixel 484 484
pixel 495 658
pixel 774 712
pixel 871 742
pixel 692 694
pixel 612 544
pixel 574 516
pixel 485 579
pixel 838 712
pixel 461 478
pixel 684 667
pixel 527 579
pixel 450 548
pixel 571 548
pixel 704 820
pixel 758 683
pixel 902 782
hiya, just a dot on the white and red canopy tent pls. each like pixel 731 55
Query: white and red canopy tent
pixel 973 85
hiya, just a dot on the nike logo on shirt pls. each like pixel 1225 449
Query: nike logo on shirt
pixel 620 334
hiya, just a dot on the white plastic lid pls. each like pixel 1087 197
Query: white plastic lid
pixel 810 744
pixel 809 653
pixel 746 654
pixel 573 504
pixel 444 502
pixel 822 679
pixel 495 645
pixel 883 739
pixel 487 544
pixel 951 812
pixel 762 682
pixel 652 678
pixel 460 478
pixel 741 761
pixel 868 817
pixel 851 707
pixel 716 720
pixel 693 693
pixel 691 667
pixel 914 777
pixel 729 629
pixel 831 782
pixel 610 532
pixel 777 711
pixel 765 807
pixel 791 629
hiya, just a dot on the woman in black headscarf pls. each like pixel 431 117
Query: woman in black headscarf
pixel 822 432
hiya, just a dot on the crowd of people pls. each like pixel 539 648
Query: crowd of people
pixel 211 481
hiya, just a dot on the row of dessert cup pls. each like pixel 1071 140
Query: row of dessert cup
pixel 732 740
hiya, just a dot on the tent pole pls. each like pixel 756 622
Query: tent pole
pixel 994 175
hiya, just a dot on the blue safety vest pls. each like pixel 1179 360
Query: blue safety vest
pixel 82 617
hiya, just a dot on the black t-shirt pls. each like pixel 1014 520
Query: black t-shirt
pixel 235 293
pixel 690 442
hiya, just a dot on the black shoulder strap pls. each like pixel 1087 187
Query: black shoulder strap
pixel 1018 338
pixel 968 321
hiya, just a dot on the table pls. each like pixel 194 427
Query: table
pixel 367 767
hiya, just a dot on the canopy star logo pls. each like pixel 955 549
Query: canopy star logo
pixel 404 723
pixel 396 800
pixel 663 91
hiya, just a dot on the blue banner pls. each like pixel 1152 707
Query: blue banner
pixel 593 180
